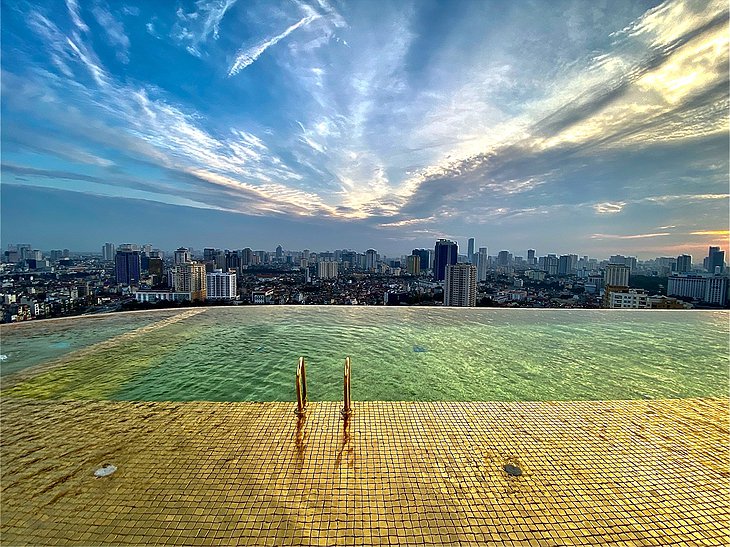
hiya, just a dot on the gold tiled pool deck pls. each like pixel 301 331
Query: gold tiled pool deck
pixel 612 472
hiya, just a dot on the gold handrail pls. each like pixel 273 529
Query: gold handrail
pixel 300 383
pixel 347 408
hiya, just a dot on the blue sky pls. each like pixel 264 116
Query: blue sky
pixel 589 127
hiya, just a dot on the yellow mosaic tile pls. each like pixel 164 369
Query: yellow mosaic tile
pixel 592 473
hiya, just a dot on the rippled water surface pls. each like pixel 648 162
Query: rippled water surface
pixel 250 353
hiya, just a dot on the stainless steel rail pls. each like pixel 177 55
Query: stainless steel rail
pixel 347 408
pixel 300 384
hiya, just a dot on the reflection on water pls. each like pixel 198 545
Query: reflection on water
pixel 251 353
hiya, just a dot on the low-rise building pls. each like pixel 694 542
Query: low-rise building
pixel 628 299
pixel 262 296
pixel 158 296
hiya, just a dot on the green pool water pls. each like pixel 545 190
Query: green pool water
pixel 250 353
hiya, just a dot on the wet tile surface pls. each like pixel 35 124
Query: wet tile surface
pixel 616 472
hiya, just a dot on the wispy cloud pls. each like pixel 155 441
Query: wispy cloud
pixel 247 56
pixel 195 27
pixel 414 126
pixel 633 236
pixel 710 233
pixel 114 31
pixel 609 208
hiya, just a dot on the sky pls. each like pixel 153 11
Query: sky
pixel 590 127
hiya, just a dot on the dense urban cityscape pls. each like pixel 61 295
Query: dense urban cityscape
pixel 43 284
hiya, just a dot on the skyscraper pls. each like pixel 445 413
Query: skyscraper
pixel 327 269
pixel 128 266
pixel 481 261
pixel 715 259
pixel 531 257
pixel 424 256
pixel 684 263
pixel 371 259
pixel 460 287
pixel 445 253
pixel 413 265
pixel 108 251
pixel 470 250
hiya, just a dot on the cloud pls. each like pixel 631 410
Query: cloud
pixel 429 118
pixel 114 31
pixel 710 233
pixel 609 208
pixel 73 10
pixel 247 56
pixel 194 28
pixel 634 236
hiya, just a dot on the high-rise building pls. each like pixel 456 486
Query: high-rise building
pixel 279 253
pixel 371 259
pixel 460 287
pixel 616 275
pixel 549 264
pixel 481 261
pixel 504 258
pixel 567 264
pixel 155 268
pixel 413 265
pixel 424 255
pixel 128 267
pixel 182 255
pixel 108 252
pixel 246 257
pixel 684 264
pixel 208 254
pixel 191 277
pixel 445 253
pixel 470 250
pixel 327 269
pixel 629 261
pixel 221 285
pixel 531 257
pixel 24 250
pixel 715 261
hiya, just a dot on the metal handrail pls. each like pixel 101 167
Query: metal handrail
pixel 300 383
pixel 347 408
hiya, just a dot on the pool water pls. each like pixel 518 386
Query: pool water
pixel 250 353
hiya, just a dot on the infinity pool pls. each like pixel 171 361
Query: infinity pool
pixel 249 353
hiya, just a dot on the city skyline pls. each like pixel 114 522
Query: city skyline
pixel 564 127
pixel 108 250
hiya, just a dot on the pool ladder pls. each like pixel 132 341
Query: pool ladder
pixel 300 384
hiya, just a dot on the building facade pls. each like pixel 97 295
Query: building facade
pixel 191 277
pixel 616 275
pixel 413 265
pixel 158 296
pixel 706 288
pixel 221 285
pixel 326 269
pixel 128 267
pixel 445 254
pixel 460 287
pixel 636 299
